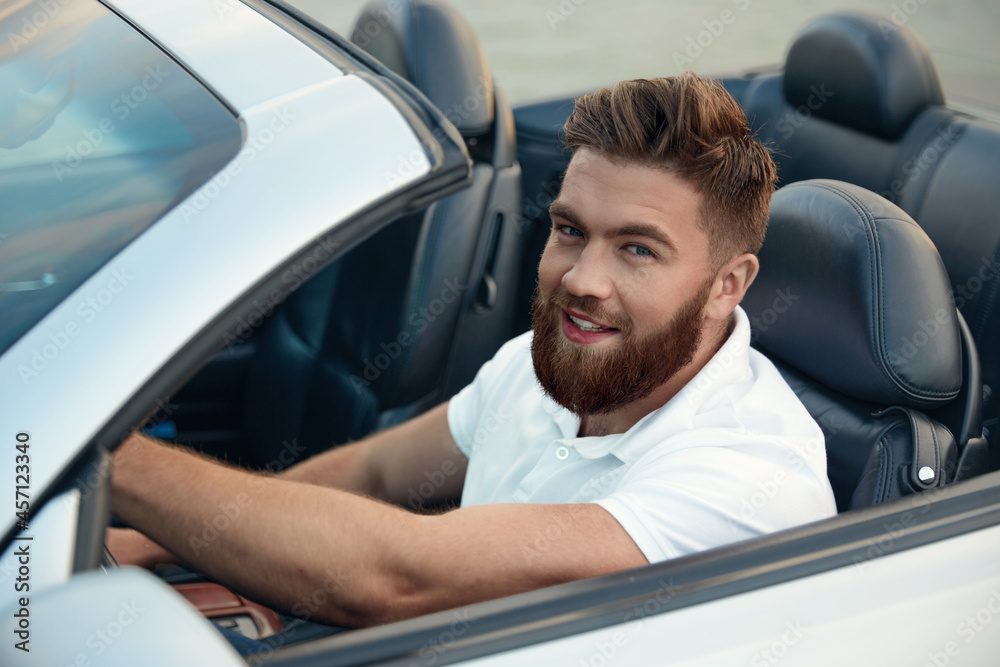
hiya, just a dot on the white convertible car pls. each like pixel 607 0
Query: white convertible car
pixel 232 228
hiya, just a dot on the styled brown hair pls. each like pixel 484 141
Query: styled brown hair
pixel 691 127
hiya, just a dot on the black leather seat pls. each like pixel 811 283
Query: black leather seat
pixel 854 306
pixel 846 104
pixel 859 100
pixel 406 318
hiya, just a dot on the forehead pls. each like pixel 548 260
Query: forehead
pixel 603 192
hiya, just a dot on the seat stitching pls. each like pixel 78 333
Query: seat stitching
pixel 885 471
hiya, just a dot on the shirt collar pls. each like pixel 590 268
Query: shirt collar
pixel 729 365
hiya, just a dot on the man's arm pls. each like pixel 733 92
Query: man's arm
pixel 412 464
pixel 414 461
pixel 283 541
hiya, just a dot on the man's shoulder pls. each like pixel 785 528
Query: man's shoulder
pixel 752 414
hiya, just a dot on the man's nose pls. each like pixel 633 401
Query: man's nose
pixel 589 275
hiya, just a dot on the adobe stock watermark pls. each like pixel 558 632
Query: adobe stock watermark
pixel 231 511
pixel 900 16
pixel 95 479
pixel 303 609
pixel 598 486
pixel 713 29
pixel 605 652
pixel 714 369
pixel 223 7
pixel 761 322
pixel 792 120
pixel 783 300
pixel 102 639
pixel 493 421
pixel 768 489
pixel 373 27
pixel 417 322
pixel 432 649
pixel 416 160
pixel 924 332
pixel 31 25
pixel 292 277
pixel 534 209
pixel 652 605
pixel 87 310
pixel 434 481
pixel 779 648
pixel 307 606
pixel 562 12
pixel 122 107
pixel 895 529
pixel 966 630
pixel 987 273
pixel 198 202
pixel 925 160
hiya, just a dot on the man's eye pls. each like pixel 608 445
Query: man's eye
pixel 569 231
pixel 639 250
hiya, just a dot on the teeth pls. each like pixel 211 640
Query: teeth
pixel 585 325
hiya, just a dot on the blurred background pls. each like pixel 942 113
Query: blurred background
pixel 545 48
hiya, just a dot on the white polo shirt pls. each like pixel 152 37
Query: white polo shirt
pixel 732 456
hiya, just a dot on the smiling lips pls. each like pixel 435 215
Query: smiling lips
pixel 582 330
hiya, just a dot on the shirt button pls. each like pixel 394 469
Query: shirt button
pixel 562 453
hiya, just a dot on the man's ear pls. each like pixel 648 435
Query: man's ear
pixel 731 283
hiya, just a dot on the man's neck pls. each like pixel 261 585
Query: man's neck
pixel 625 418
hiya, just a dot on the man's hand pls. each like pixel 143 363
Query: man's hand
pixel 130 547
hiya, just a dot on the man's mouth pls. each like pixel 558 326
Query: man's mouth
pixel 587 325
pixel 583 330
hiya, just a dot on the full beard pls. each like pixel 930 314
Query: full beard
pixel 592 382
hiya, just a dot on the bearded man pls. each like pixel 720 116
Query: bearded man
pixel 632 425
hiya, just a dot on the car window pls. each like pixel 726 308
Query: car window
pixel 101 134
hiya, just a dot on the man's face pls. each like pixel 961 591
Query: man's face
pixel 622 285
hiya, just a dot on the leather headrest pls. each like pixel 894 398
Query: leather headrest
pixel 434 47
pixel 852 293
pixel 861 70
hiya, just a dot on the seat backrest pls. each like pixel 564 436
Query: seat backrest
pixel 951 191
pixel 405 318
pixel 854 306
pixel 846 100
pixel 860 101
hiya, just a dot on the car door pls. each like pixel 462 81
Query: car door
pixel 157 196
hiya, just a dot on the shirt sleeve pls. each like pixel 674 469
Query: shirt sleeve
pixel 467 408
pixel 704 497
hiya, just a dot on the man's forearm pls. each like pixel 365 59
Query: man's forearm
pixel 392 464
pixel 291 540
pixel 346 467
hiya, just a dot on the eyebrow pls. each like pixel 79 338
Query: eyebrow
pixel 643 229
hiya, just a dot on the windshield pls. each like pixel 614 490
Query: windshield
pixel 100 135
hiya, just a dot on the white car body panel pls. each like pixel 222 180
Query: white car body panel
pixel 53 533
pixel 937 602
pixel 245 57
pixel 132 619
